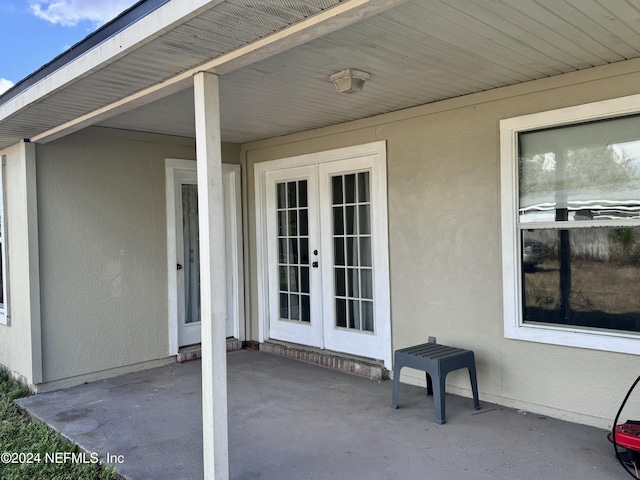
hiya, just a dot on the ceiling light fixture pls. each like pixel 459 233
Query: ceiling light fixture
pixel 349 80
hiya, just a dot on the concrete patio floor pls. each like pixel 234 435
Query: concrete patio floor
pixel 290 421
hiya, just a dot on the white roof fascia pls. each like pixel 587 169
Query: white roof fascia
pixel 323 23
pixel 149 27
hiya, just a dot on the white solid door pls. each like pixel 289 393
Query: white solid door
pixel 327 266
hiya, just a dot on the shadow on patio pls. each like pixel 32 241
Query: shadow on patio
pixel 291 420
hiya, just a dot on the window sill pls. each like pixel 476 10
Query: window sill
pixel 609 341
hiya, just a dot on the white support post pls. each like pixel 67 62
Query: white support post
pixel 212 277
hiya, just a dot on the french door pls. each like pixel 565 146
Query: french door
pixel 295 281
pixel 327 256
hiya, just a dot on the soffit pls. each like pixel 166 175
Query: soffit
pixel 418 52
pixel 226 26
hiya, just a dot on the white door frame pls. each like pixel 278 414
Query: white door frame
pixel 234 251
pixel 378 151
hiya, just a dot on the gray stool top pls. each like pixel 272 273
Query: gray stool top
pixel 437 361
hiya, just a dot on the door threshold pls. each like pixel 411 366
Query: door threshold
pixel 194 352
pixel 361 366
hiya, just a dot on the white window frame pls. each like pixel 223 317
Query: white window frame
pixel 4 308
pixel 514 327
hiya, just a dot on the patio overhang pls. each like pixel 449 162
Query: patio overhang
pixel 158 54
pixel 275 58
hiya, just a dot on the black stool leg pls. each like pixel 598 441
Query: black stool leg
pixel 429 384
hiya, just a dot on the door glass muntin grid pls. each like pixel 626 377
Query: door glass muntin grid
pixel 352 254
pixel 293 251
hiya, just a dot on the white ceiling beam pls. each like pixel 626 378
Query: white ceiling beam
pixel 323 23
pixel 139 99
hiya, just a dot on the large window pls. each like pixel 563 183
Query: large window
pixel 4 307
pixel 571 227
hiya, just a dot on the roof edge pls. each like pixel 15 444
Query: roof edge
pixel 106 31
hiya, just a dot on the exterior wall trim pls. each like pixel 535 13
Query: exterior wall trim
pixel 5 313
pixel 31 207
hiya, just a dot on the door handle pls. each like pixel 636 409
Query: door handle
pixel 179 267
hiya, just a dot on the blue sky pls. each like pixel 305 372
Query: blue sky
pixel 33 32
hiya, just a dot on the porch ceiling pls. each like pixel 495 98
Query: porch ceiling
pixel 417 52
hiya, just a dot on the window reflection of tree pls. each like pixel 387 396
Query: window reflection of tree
pixel 598 181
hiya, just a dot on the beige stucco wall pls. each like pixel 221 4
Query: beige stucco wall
pixel 444 237
pixel 19 340
pixel 103 261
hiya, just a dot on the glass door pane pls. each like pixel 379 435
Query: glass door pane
pixel 190 232
pixel 292 215
pixel 352 255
